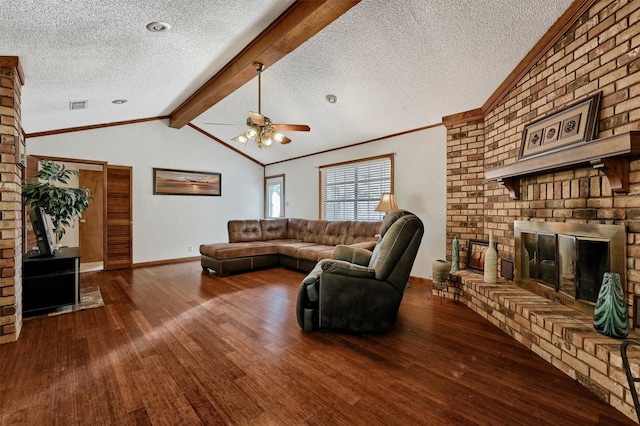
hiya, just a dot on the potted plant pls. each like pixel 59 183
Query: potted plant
pixel 61 203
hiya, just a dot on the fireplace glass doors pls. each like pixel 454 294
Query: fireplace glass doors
pixel 566 262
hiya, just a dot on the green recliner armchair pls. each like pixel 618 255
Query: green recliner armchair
pixel 359 290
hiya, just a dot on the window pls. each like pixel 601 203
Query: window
pixel 352 190
pixel 274 197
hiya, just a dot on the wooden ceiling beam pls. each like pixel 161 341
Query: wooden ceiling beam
pixel 301 21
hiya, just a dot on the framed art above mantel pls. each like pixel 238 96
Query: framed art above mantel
pixel 575 124
pixel 611 155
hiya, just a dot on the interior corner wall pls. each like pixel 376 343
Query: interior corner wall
pixel 165 227
pixel 419 184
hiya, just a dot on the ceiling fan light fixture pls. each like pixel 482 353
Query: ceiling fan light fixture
pixel 260 129
pixel 240 138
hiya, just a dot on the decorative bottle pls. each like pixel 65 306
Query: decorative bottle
pixel 491 262
pixel 610 316
pixel 455 256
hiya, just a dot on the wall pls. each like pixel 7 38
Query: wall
pixel 11 80
pixel 165 226
pixel 419 180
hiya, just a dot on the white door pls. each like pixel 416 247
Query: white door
pixel 274 196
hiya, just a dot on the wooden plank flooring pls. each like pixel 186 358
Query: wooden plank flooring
pixel 175 346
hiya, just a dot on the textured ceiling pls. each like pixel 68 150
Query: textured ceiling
pixel 394 65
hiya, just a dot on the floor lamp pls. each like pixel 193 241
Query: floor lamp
pixel 387 203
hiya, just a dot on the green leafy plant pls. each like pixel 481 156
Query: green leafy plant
pixel 63 204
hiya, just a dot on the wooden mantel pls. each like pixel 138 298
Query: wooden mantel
pixel 610 154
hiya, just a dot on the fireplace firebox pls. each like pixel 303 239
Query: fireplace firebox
pixel 566 261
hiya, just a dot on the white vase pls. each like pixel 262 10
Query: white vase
pixel 491 262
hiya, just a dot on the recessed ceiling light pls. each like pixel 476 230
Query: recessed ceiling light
pixel 158 27
pixel 119 101
pixel 332 99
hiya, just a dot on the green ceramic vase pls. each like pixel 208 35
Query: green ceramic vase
pixel 455 255
pixel 611 317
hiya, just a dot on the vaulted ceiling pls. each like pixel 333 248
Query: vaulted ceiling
pixel 393 65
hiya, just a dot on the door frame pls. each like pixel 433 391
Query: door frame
pixel 104 189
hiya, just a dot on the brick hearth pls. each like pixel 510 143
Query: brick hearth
pixel 559 334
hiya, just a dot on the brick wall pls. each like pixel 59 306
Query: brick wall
pixel 11 226
pixel 465 188
pixel 599 52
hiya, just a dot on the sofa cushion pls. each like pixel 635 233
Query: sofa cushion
pixel 336 233
pixel 315 252
pixel 284 241
pixel 290 248
pixel 297 228
pixel 315 231
pixel 274 229
pixel 244 230
pixel 362 232
pixel 222 251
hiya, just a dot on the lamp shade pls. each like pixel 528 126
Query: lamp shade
pixel 387 203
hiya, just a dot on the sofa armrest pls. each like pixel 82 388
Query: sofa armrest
pixel 355 255
pixel 340 267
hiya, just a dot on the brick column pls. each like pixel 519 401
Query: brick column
pixel 465 187
pixel 11 227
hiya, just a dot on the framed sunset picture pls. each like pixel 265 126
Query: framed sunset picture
pixel 185 182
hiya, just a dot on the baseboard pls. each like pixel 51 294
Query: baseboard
pixel 166 262
pixel 416 280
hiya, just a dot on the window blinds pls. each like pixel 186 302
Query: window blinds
pixel 352 191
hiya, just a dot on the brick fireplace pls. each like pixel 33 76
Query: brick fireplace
pixel 566 262
pixel 594 47
pixel 11 81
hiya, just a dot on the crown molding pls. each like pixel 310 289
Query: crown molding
pixel 92 127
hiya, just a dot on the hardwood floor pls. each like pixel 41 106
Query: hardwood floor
pixel 175 346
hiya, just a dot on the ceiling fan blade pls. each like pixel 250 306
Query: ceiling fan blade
pixel 256 118
pixel 293 127
pixel 285 140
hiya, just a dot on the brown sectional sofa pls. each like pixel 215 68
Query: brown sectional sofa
pixel 294 243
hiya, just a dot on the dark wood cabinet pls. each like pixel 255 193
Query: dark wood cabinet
pixel 49 282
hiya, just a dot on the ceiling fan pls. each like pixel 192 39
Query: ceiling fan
pixel 261 129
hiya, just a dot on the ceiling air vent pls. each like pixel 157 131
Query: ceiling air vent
pixel 77 105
